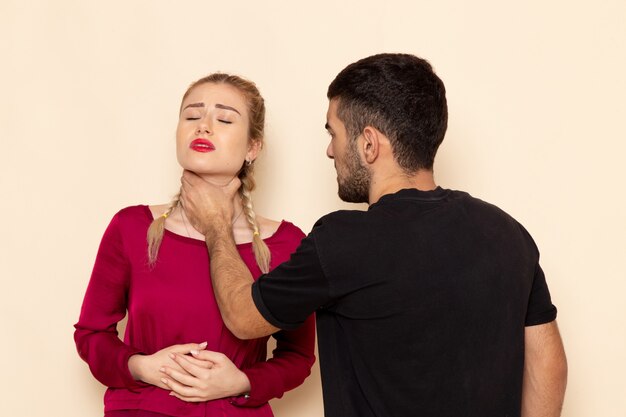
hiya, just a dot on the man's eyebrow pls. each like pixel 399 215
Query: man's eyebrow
pixel 225 107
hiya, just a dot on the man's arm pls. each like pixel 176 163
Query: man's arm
pixel 545 371
pixel 232 285
pixel 209 209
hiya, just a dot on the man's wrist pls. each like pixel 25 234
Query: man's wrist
pixel 216 231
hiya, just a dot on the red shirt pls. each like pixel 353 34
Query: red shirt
pixel 173 303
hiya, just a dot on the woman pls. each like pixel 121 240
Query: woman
pixel 153 264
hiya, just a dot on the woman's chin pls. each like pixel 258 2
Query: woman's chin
pixel 200 169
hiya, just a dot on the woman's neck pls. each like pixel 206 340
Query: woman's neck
pixel 186 228
pixel 217 180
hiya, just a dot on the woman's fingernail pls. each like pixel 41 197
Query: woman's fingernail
pixel 194 352
pixel 162 369
pixel 163 380
pixel 172 356
pixel 202 345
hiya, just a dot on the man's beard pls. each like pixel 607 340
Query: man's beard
pixel 355 187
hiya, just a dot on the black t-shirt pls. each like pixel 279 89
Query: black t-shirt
pixel 421 304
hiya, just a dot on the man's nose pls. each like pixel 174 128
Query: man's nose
pixel 329 151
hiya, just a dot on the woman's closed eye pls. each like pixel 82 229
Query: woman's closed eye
pixel 192 114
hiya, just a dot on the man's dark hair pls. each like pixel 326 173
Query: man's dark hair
pixel 400 95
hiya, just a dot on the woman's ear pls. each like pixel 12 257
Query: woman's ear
pixel 253 150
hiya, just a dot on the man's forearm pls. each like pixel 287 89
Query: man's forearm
pixel 545 372
pixel 232 283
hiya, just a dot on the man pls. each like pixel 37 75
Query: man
pixel 431 302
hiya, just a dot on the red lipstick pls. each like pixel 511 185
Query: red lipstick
pixel 202 145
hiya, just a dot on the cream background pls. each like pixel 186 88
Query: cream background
pixel 90 92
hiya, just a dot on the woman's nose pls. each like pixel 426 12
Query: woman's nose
pixel 203 127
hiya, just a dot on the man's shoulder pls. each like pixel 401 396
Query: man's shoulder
pixel 487 209
pixel 455 204
pixel 494 220
pixel 480 204
pixel 341 218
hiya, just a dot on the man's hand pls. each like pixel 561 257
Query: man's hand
pixel 207 205
pixel 207 376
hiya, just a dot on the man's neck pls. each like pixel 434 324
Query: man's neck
pixel 392 182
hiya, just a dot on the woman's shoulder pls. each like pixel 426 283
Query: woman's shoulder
pixel 139 209
pixel 157 210
pixel 133 215
pixel 279 230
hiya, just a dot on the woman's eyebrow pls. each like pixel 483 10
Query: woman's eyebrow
pixel 218 106
pixel 194 105
pixel 225 107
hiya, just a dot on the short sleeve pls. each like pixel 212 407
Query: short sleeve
pixel 540 308
pixel 286 296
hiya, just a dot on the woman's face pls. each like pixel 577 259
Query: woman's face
pixel 212 134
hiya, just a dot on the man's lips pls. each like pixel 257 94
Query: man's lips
pixel 202 145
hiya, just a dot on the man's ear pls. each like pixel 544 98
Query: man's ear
pixel 370 144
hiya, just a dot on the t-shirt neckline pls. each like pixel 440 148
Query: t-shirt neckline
pixel 437 194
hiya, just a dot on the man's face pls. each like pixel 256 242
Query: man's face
pixel 353 178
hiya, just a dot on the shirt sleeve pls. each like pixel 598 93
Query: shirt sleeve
pixel 103 307
pixel 289 366
pixel 540 308
pixel 289 294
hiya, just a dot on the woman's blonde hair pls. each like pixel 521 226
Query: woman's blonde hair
pixel 256 112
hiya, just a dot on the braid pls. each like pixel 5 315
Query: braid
pixel 261 251
pixel 156 230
